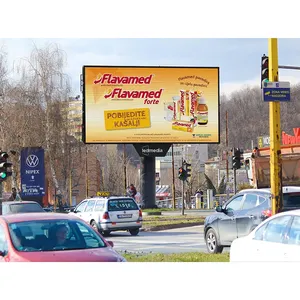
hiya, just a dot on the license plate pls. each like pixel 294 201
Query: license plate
pixel 124 216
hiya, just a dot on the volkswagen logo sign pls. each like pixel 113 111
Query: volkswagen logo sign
pixel 32 161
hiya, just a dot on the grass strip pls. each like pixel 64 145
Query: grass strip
pixel 160 221
pixel 177 257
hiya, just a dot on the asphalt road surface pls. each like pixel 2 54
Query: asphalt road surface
pixel 188 239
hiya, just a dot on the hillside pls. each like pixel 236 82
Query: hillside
pixel 248 117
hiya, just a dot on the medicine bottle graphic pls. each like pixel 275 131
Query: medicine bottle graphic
pixel 201 111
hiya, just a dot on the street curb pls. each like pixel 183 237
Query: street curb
pixel 171 226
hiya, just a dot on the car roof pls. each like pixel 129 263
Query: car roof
pixel 18 202
pixel 295 212
pixel 24 217
pixel 285 189
pixel 108 198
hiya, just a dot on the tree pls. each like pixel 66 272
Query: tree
pixel 44 72
pixel 220 189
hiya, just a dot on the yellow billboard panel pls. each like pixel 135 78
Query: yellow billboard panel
pixel 151 104
pixel 127 119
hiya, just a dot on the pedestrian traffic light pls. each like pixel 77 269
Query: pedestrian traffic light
pixel 188 168
pixel 4 166
pixel 237 158
pixel 182 175
pixel 264 70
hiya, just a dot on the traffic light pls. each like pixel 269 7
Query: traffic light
pixel 188 168
pixel 237 158
pixel 264 70
pixel 182 175
pixel 4 166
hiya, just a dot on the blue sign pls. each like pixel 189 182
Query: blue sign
pixel 32 172
pixel 276 94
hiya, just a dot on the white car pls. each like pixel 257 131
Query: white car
pixel 111 214
pixel 277 239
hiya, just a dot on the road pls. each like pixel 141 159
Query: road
pixel 188 239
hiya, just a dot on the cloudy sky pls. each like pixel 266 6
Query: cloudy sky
pixel 238 59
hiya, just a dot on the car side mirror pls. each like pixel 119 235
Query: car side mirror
pixel 219 209
pixel 111 243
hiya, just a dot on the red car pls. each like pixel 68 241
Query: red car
pixel 50 237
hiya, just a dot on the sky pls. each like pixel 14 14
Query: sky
pixel 238 59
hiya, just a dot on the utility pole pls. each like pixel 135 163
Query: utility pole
pixel 86 173
pixel 173 179
pixel 227 168
pixel 183 165
pixel 70 189
pixel 275 132
pixel 125 169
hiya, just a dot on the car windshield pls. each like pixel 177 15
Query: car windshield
pixel 53 235
pixel 17 208
pixel 291 200
pixel 122 204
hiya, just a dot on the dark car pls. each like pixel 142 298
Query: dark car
pixel 17 207
pixel 241 214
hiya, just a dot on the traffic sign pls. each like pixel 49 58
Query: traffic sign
pixel 103 194
pixel 276 84
pixel 276 94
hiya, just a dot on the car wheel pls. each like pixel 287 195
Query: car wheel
pixel 106 233
pixel 94 225
pixel 212 242
pixel 134 231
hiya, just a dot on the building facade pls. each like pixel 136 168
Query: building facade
pixel 194 154
pixel 75 117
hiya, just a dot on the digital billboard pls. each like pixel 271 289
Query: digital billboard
pixel 150 104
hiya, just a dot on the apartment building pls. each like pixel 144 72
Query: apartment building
pixel 75 117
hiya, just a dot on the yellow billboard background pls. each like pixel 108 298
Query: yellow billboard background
pixel 134 120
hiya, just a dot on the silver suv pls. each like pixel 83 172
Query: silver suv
pixel 110 214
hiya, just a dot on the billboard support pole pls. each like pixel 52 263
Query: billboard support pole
pixel 148 189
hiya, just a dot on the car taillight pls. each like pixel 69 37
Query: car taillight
pixel 140 215
pixel 267 213
pixel 105 216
